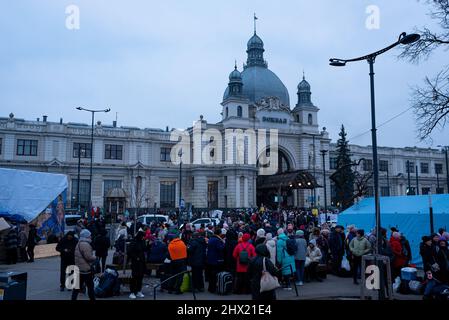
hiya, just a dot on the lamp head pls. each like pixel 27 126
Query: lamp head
pixel 337 62
pixel 79 108
pixel 405 38
pixel 107 110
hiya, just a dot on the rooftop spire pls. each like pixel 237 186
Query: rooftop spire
pixel 303 75
pixel 255 18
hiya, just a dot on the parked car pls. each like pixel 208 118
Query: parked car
pixel 70 222
pixel 147 219
pixel 206 221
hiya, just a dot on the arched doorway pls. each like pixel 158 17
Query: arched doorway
pixel 270 197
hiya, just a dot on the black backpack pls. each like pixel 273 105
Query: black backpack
pixel 291 247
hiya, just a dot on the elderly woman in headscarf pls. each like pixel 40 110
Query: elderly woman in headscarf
pixel 260 237
pixel 255 270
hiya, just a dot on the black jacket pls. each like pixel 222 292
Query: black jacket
pixel 337 244
pixel 101 245
pixel 196 252
pixel 427 254
pixel 66 248
pixel 230 244
pixel 255 269
pixel 136 254
pixel 33 238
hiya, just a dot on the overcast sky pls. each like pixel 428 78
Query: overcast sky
pixel 160 63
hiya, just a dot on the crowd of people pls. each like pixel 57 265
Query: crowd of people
pixel 292 245
pixel 20 244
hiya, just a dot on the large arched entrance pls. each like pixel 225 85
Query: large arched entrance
pixel 279 190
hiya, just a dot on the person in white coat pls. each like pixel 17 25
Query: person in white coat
pixel 271 245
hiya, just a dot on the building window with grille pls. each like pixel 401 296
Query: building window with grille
pixel 383 165
pixel 85 148
pixel 84 193
pixel 424 167
pixel 225 182
pixel 26 147
pixel 425 191
pixel 193 182
pixel 1 144
pixel 310 119
pixel 438 168
pixel 411 167
pixel 440 190
pixel 333 163
pixel 165 154
pixel 113 152
pixel 167 194
pixel 411 191
pixel 368 165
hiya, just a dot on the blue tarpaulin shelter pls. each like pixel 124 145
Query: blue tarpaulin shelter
pixel 409 214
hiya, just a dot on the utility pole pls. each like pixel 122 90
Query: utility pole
pixel 323 153
pixel 408 178
pixel 417 183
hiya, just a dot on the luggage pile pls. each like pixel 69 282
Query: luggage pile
pixel 107 285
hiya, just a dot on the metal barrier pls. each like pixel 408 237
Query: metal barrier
pixel 189 272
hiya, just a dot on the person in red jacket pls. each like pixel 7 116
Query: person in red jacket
pixel 243 252
pixel 399 259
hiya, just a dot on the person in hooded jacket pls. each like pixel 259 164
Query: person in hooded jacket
pixel 300 256
pixel 242 280
pixel 136 254
pixel 177 251
pixel 271 246
pixel 84 257
pixel 230 244
pixel 66 248
pixel 215 259
pixel 255 270
pixel 196 256
pixel 443 261
pixel 101 245
pixel 284 260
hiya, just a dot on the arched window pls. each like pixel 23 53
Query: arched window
pixel 297 118
pixel 239 111
pixel 226 112
pixel 310 119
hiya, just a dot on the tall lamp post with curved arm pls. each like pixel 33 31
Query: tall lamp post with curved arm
pixel 92 150
pixel 403 39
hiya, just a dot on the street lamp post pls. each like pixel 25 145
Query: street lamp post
pixel 78 181
pixel 417 181
pixel 180 182
pixel 323 153
pixel 92 150
pixel 408 178
pixel 405 40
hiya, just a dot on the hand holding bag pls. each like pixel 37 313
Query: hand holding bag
pixel 268 282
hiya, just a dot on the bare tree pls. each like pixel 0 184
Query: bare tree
pixel 430 101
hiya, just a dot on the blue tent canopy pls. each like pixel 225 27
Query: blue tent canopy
pixel 409 214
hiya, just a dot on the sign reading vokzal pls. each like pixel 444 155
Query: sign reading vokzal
pixel 274 120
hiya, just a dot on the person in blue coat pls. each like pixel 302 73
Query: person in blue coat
pixel 215 259
pixel 284 260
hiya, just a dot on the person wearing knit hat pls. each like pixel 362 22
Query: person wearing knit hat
pixel 243 252
pixel 280 231
pixel 84 257
pixel 260 237
pixel 300 256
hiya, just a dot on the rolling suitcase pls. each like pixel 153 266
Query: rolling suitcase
pixel 224 283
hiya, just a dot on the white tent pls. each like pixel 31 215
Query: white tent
pixel 28 193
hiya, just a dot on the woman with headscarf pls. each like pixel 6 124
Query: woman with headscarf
pixel 271 246
pixel 255 270
pixel 399 259
pixel 84 258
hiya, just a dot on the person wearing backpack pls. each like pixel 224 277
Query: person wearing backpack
pixel 243 253
pixel 285 260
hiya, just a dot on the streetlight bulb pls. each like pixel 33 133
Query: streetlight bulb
pixel 409 38
pixel 337 63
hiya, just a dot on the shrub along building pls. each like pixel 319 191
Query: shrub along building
pixel 133 167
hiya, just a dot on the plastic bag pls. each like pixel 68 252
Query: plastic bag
pixel 396 284
pixel 345 264
pixel 185 285
pixel 308 261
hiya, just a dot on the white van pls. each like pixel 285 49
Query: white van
pixel 147 219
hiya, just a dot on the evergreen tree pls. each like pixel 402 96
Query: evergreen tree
pixel 344 176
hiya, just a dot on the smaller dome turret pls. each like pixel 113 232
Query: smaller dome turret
pixel 304 93
pixel 235 84
pixel 235 75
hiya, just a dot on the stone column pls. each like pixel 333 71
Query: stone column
pixel 237 191
pixel 245 192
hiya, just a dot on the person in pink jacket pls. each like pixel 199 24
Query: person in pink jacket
pixel 243 252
